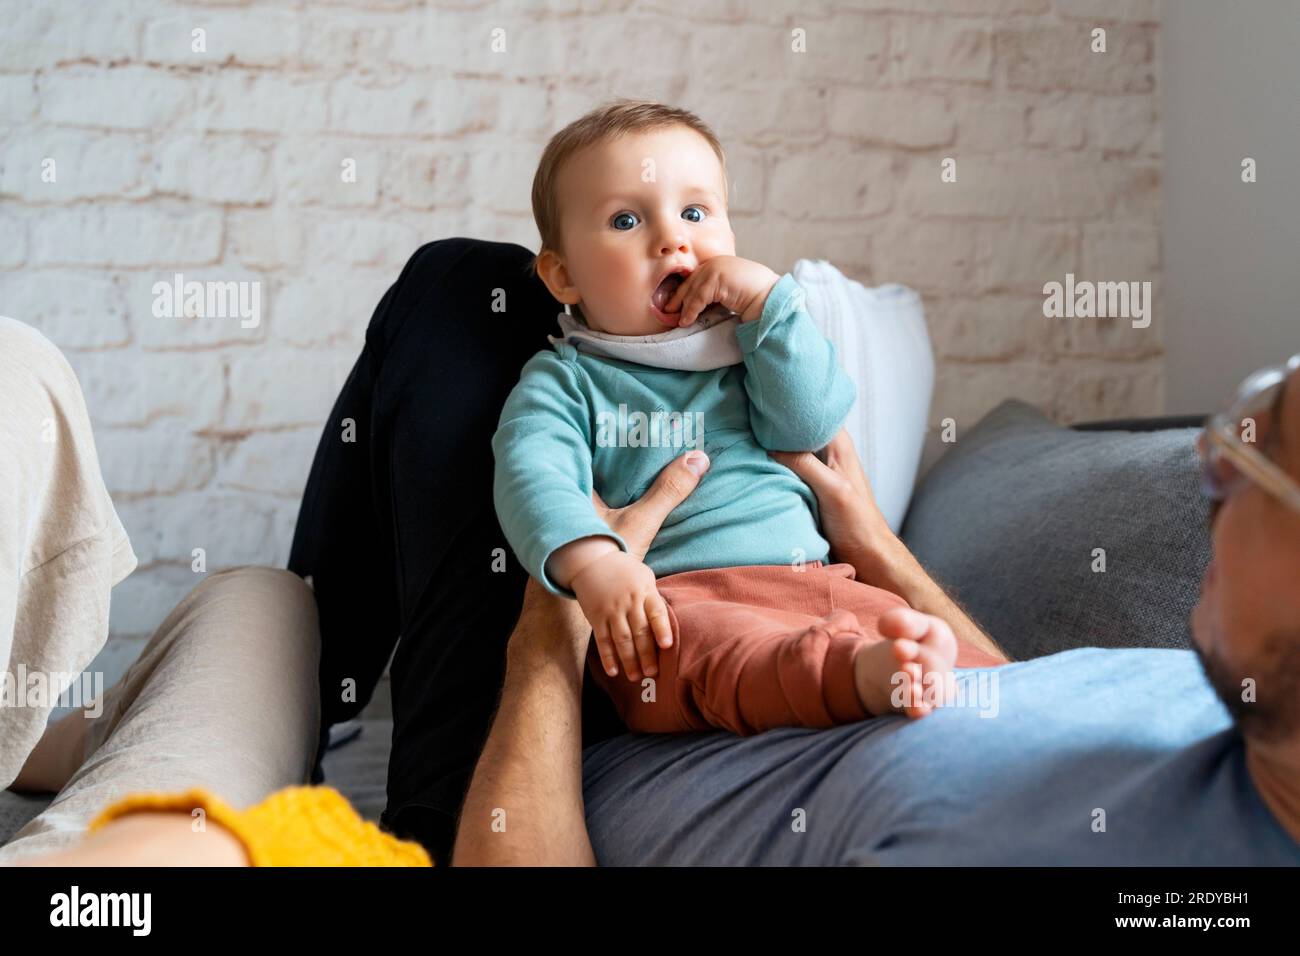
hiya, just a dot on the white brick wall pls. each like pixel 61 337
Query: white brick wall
pixel 225 166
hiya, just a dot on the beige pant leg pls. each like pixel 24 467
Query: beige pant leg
pixel 224 696
pixel 62 547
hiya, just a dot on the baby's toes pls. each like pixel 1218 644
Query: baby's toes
pixel 913 689
pixel 941 644
pixel 905 650
pixel 937 678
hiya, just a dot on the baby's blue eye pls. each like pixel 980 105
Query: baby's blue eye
pixel 699 217
pixel 623 217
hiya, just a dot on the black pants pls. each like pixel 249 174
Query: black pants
pixel 397 527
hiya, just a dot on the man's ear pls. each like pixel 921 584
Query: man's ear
pixel 551 270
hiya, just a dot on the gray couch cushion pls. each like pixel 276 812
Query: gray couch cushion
pixel 1009 518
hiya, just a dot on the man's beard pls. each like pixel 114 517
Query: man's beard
pixel 1274 714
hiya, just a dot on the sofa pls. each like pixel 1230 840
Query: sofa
pixel 1051 537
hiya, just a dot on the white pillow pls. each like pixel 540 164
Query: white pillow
pixel 882 343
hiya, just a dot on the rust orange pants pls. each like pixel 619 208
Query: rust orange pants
pixel 759 647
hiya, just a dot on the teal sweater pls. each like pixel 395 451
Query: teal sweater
pixel 562 432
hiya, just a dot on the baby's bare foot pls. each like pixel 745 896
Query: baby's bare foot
pixel 911 671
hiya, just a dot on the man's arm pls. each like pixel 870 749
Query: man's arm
pixel 859 535
pixel 890 565
pixel 524 805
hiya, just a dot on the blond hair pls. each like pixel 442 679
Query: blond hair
pixel 605 122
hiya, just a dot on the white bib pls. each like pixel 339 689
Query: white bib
pixel 707 344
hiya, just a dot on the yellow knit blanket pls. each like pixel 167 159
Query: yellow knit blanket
pixel 296 826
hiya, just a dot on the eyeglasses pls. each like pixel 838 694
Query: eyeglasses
pixel 1227 458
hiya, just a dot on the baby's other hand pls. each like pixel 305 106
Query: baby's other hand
pixel 741 285
pixel 618 595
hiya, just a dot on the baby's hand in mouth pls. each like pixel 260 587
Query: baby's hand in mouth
pixel 738 285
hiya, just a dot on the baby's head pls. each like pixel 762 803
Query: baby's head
pixel 624 196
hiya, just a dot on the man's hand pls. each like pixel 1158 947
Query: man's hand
pixel 638 523
pixel 617 593
pixel 738 284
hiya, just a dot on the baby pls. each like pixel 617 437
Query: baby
pixel 683 344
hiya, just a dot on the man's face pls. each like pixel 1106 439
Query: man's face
pixel 1247 622
pixel 631 210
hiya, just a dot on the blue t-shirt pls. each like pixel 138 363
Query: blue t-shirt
pixel 1094 757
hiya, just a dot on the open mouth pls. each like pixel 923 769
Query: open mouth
pixel 665 289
